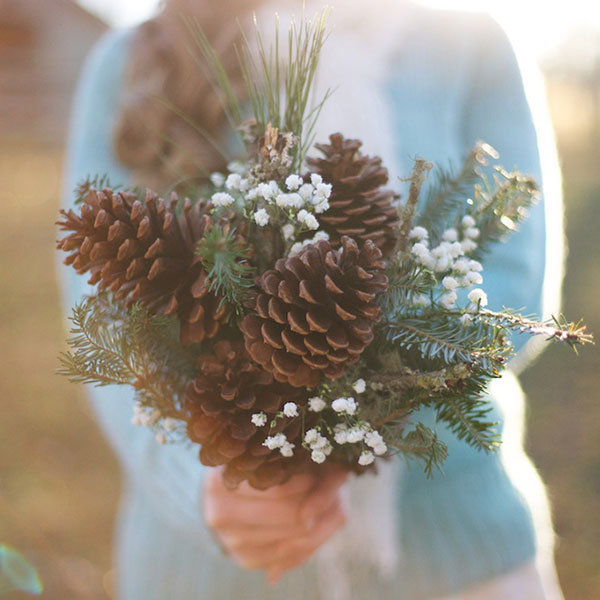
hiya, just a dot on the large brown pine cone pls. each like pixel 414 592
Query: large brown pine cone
pixel 220 402
pixel 316 311
pixel 145 252
pixel 359 207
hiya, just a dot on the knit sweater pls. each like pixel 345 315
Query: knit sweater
pixel 452 80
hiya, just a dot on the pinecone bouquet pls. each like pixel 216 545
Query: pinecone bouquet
pixel 313 314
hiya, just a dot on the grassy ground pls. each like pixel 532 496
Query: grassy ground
pixel 59 482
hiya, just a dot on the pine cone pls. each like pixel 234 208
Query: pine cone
pixel 359 207
pixel 316 311
pixel 145 252
pixel 220 403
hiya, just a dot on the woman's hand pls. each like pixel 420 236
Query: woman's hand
pixel 277 529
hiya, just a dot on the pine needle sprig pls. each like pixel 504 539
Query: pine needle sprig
pixel 97 182
pixel 110 346
pixel 229 272
pixel 447 195
pixel 500 207
pixel 556 328
pixel 421 444
pixel 441 337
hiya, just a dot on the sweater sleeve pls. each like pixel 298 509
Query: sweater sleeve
pixel 525 272
pixel 475 520
pixel 172 474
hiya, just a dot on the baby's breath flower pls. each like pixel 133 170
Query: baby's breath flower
pixel 473 278
pixel 344 405
pixel 273 442
pixel 288 231
pixel 306 190
pixel 290 409
pixel 340 433
pixel 316 404
pixel 478 296
pixel 222 199
pixel 287 449
pixel 320 235
pixel 475 265
pixel 323 190
pixel 292 200
pixel 359 386
pixel 419 249
pixel 236 166
pixel 318 456
pixel 366 458
pixel 316 179
pixel 259 419
pixel 450 235
pixel 448 300
pixel 261 216
pixel 442 264
pixel 217 179
pixel 472 232
pixel 293 182
pixel 355 435
pixel 295 248
pixel 468 221
pixel 233 181
pixel 462 265
pixel 311 436
pixel 322 207
pixel 449 283
pixel 468 245
pixel 418 233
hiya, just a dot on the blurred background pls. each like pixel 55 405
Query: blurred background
pixel 59 482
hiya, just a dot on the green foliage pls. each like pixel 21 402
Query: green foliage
pixel 279 91
pixel 447 196
pixel 91 182
pixel 230 274
pixel 500 207
pixel 113 346
pixel 421 444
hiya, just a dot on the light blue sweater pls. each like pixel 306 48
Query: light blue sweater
pixel 457 81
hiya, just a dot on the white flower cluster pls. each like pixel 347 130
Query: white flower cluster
pixel 280 441
pixel 319 445
pixel 299 201
pixel 146 417
pixel 450 260
pixel 297 247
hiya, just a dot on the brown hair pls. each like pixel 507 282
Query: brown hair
pixel 163 81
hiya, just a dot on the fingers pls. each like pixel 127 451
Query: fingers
pixel 293 553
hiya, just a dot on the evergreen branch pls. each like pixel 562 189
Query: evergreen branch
pixel 229 272
pixel 500 208
pixel 442 338
pixel 448 195
pixel 557 328
pixel 97 182
pixel 422 444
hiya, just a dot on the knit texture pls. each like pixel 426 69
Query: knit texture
pixel 454 81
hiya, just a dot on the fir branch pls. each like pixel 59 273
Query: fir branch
pixel 422 444
pixel 110 346
pixel 557 328
pixel 447 196
pixel 499 208
pixel 225 260
pixel 441 337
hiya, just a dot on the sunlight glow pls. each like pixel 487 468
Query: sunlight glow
pixel 539 24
